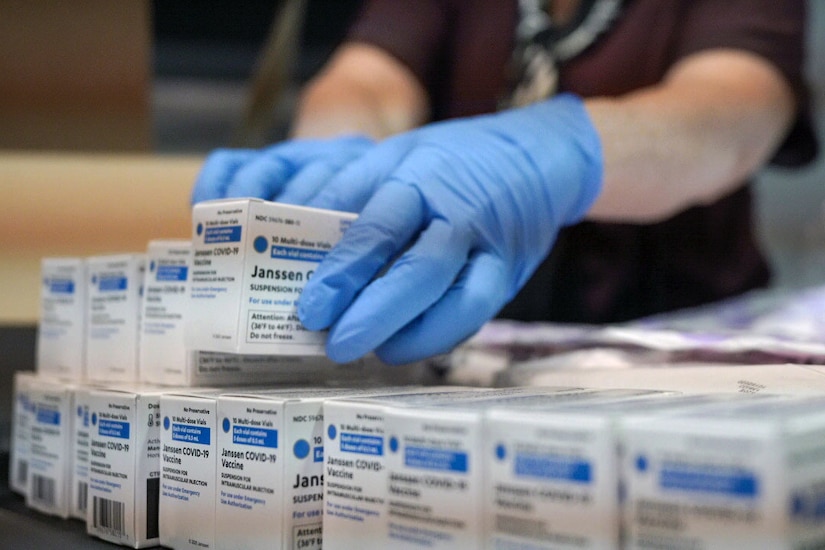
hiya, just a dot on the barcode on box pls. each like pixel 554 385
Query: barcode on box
pixel 43 490
pixel 82 496
pixel 152 508
pixel 108 515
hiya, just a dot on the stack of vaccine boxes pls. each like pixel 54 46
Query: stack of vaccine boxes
pixel 179 401
pixel 43 420
pixel 406 471
pixel 114 335
pixel 436 468
pixel 246 469
pixel 552 475
pixel 217 312
pixel 747 475
pixel 355 487
pixel 88 335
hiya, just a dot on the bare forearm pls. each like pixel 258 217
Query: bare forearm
pixel 363 90
pixel 691 139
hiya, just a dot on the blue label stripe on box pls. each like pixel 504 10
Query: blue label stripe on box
pixel 562 468
pixel 729 482
pixel 191 434
pixel 113 428
pixel 436 459
pixel 291 253
pixel 172 273
pixel 114 283
pixel 61 286
pixel 362 444
pixel 256 437
pixel 48 416
pixel 230 234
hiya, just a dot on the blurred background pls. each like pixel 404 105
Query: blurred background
pixel 107 109
pixel 203 62
pixel 207 63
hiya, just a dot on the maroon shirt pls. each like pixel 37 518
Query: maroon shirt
pixel 599 272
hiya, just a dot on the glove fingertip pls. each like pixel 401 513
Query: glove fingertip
pixel 310 317
pixel 342 354
pixel 347 343
pixel 393 355
pixel 317 306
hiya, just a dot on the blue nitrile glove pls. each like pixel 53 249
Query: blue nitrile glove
pixel 472 206
pixel 292 171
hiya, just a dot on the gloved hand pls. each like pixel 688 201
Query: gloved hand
pixel 292 171
pixel 464 211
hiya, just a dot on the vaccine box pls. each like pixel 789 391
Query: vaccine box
pixel 124 465
pixel 355 471
pixel 188 466
pixel 61 330
pixel 164 358
pixel 552 472
pixel 357 450
pixel 435 467
pixel 270 471
pixel 50 432
pixel 165 300
pixel 79 451
pixel 187 469
pixel 742 476
pixel 114 298
pixel 251 261
pixel 190 489
pixel 22 417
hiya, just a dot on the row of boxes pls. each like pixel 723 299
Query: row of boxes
pixel 434 467
pixel 220 309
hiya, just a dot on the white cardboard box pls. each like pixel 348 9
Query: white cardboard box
pixel 741 476
pixel 188 466
pixel 252 259
pixel 162 356
pixel 258 504
pixel 552 472
pixel 61 330
pixel 187 469
pixel 124 465
pixel 22 417
pixel 355 471
pixel 436 471
pixel 51 425
pixel 79 450
pixel 113 316
pixel 360 447
pixel 270 473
